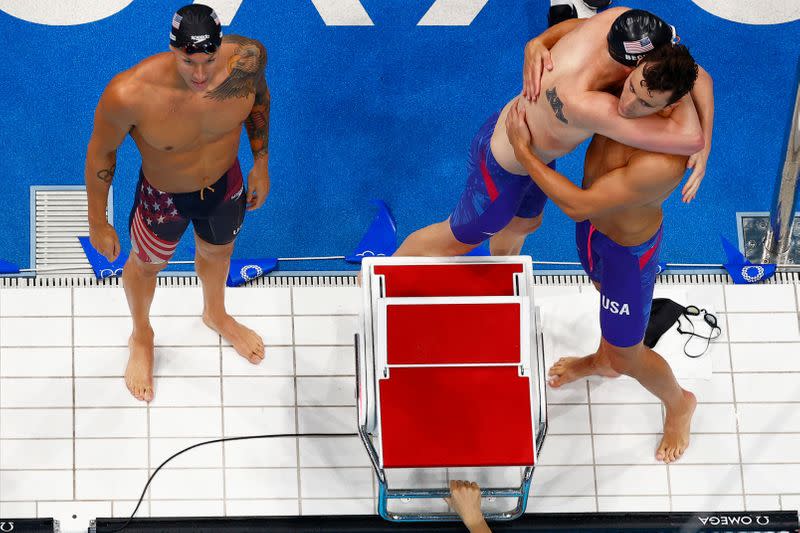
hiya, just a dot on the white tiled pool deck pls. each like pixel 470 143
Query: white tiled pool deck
pixel 74 442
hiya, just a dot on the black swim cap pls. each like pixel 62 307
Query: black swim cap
pixel 196 28
pixel 635 33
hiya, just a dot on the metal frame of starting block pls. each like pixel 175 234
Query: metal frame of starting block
pixel 431 328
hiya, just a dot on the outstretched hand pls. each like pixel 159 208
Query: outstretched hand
pixel 465 499
pixel 537 58
pixel 519 135
pixel 697 163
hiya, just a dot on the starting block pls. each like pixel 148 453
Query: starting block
pixel 450 373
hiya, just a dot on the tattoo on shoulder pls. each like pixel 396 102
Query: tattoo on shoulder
pixel 556 104
pixel 107 174
pixel 246 67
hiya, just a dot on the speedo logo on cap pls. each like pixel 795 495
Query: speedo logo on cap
pixel 199 38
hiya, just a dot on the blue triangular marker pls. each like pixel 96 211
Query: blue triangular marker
pixel 100 265
pixel 8 268
pixel 732 253
pixel 743 271
pixel 244 270
pixel 380 238
pixel 750 273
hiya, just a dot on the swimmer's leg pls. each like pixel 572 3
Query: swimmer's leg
pixel 436 240
pixel 510 239
pixel 655 375
pixel 527 219
pixel 212 263
pixel 139 281
pixel 152 246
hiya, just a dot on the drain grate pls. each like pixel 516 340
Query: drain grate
pixel 753 229
pixel 58 218
pixel 348 279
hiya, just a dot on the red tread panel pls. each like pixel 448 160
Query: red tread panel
pixel 448 417
pixel 482 279
pixel 453 333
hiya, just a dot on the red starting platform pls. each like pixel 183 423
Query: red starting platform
pixel 449 374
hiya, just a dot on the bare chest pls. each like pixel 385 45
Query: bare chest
pixel 603 156
pixel 174 124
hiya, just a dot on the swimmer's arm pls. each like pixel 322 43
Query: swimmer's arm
pixel 645 179
pixel 621 188
pixel 553 34
pixel 113 119
pixel 703 97
pixel 247 75
pixel 257 123
pixel 597 112
pixel 537 56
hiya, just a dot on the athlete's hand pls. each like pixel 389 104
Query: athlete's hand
pixel 697 163
pixel 465 499
pixel 104 239
pixel 537 58
pixel 257 187
pixel 519 135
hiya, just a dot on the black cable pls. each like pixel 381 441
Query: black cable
pixel 226 439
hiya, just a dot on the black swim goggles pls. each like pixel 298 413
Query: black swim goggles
pixel 205 47
pixel 711 320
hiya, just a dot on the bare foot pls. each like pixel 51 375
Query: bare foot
pixel 568 369
pixel 139 373
pixel 246 341
pixel 676 430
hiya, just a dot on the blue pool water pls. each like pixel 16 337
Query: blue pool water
pixel 384 111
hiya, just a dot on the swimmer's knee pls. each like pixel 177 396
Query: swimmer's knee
pixel 134 265
pixel 620 358
pixel 525 226
pixel 534 223
pixel 617 361
pixel 449 246
pixel 435 240
pixel 459 248
pixel 208 250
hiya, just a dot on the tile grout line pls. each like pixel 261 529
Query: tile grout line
pixel 74 397
pixel 330 344
pixel 200 436
pixel 296 407
pixel 367 468
pixel 278 406
pixel 735 403
pixel 312 315
pixel 594 456
pixel 222 431
pixel 188 346
pixel 796 304
pixel 149 447
pixel 669 472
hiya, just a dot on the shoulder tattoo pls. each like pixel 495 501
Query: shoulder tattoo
pixel 246 67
